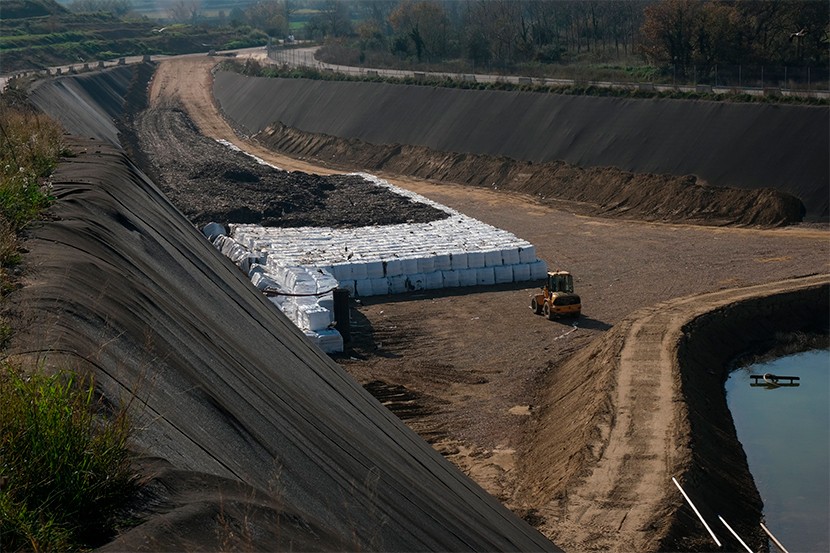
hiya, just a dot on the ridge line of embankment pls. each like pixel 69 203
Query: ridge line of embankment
pixel 661 371
pixel 740 146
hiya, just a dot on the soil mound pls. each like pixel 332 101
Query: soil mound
pixel 606 191
pixel 747 146
pixel 223 386
pixel 210 182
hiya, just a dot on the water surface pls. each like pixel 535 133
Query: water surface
pixel 785 433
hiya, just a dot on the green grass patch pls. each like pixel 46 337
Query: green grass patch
pixel 30 145
pixel 64 465
pixel 64 471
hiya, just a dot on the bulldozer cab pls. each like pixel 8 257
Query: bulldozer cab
pixel 560 281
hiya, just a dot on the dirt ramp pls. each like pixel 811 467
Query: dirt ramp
pixel 221 384
pixel 646 403
pixel 746 146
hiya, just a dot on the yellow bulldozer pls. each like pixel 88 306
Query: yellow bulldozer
pixel 557 297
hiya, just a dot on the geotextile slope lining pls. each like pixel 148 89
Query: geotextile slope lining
pixel 222 384
pixel 86 105
pixel 739 145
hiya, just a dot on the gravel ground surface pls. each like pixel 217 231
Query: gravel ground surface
pixel 471 369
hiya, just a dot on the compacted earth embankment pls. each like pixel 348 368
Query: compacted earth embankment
pixel 557 488
pixel 646 403
pixel 670 160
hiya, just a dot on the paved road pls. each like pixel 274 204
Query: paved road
pixel 82 66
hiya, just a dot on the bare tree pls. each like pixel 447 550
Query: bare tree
pixel 185 11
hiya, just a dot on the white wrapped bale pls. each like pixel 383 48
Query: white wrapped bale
pixel 511 256
pixel 380 286
pixel 538 270
pixel 527 255
pixel 327 302
pixel 263 281
pixel 363 288
pixel 415 282
pixel 434 280
pixel 374 269
pixel 359 271
pixel 330 341
pixel 475 260
pixel 397 284
pixel 503 274
pixel 468 277
pixel 349 285
pixel 212 230
pixel 485 276
pixel 409 265
pixel 392 267
pixel 442 262
pixel 426 264
pixel 492 258
pixel 342 271
pixel 314 317
pixel 521 273
pixel 450 279
pixel 458 260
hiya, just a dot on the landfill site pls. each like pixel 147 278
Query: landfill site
pixel 316 298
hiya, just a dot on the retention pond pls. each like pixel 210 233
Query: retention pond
pixel 784 432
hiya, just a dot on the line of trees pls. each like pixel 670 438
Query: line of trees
pixel 677 34
pixel 680 33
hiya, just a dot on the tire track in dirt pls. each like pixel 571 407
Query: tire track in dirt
pixel 623 503
pixel 188 80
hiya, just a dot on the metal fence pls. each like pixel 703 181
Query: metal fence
pixel 802 78
pixel 752 80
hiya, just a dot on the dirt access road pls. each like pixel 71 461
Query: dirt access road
pixel 470 370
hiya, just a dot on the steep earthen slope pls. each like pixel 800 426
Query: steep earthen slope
pixel 264 437
pixel 747 146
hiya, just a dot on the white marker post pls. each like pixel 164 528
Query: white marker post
pixel 737 537
pixel 774 539
pixel 714 537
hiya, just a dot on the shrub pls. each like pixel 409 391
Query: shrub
pixel 30 145
pixel 63 470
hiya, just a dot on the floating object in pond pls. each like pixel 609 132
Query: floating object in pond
pixel 774 380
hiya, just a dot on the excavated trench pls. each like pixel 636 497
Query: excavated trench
pixel 702 347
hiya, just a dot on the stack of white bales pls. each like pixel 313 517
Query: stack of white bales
pixel 304 294
pixel 391 259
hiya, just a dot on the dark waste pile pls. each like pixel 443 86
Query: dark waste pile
pixel 208 182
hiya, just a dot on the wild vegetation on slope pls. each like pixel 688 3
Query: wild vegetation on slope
pixel 34 42
pixel 30 145
pixel 63 470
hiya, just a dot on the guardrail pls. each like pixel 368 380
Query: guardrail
pixel 73 69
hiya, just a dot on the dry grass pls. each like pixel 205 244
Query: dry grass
pixel 64 469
